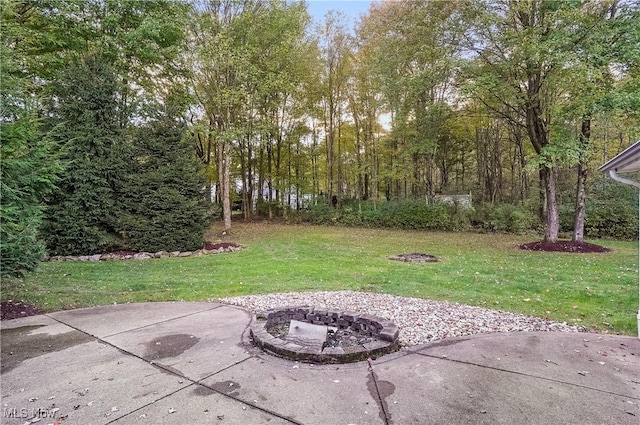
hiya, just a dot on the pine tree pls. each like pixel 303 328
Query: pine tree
pixel 28 168
pixel 28 172
pixel 83 214
pixel 164 195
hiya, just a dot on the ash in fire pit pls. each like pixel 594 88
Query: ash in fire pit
pixel 323 336
pixel 414 257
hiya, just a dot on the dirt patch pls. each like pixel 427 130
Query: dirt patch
pixel 15 310
pixel 414 257
pixel 564 246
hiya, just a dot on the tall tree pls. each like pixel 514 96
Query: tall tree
pixel 335 52
pixel 250 62
pixel 611 32
pixel 221 63
pixel 82 216
pixel 521 46
pixel 28 167
pixel 140 40
pixel 416 84
pixel 540 62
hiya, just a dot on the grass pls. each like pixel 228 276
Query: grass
pixel 598 291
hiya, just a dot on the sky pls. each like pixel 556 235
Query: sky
pixel 351 8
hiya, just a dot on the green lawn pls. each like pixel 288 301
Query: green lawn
pixel 598 291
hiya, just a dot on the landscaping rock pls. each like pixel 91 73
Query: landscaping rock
pixel 126 255
pixel 417 321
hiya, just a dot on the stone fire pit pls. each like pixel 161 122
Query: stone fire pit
pixel 323 336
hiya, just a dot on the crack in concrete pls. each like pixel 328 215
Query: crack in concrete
pixel 377 393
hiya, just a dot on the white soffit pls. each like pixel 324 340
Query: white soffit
pixel 627 161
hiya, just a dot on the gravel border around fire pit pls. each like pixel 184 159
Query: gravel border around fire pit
pixel 420 321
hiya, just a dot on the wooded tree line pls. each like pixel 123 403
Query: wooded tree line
pixel 509 100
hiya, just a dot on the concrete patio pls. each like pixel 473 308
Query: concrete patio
pixel 193 363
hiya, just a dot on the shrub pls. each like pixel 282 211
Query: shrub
pixel 507 218
pixel 611 220
pixel 401 215
pixel 611 211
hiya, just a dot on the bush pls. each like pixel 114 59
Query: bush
pixel 263 207
pixel 507 218
pixel 611 211
pixel 400 215
pixel 611 220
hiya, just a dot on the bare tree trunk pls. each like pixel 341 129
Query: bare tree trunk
pixel 245 181
pixel 578 224
pixel 552 227
pixel 224 166
pixel 538 129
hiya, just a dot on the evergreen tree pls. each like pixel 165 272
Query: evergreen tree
pixel 28 172
pixel 28 169
pixel 83 214
pixel 164 196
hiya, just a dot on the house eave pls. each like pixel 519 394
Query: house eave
pixel 627 161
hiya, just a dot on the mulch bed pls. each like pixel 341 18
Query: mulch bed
pixel 122 252
pixel 14 310
pixel 564 246
pixel 209 246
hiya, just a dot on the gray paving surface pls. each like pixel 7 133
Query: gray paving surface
pixel 193 363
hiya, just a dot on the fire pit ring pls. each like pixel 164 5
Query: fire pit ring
pixel 414 257
pixel 370 336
